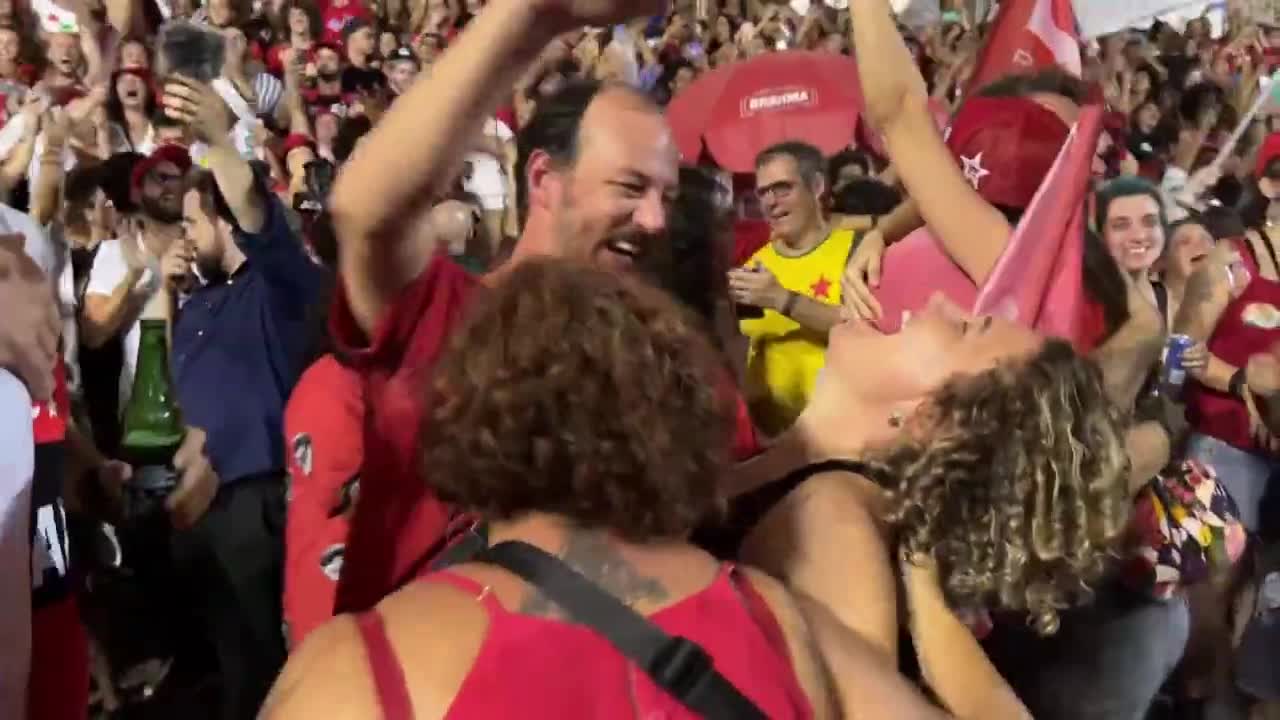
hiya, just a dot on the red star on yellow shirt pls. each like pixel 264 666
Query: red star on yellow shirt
pixel 822 288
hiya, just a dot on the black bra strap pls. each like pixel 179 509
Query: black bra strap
pixel 857 467
pixel 747 510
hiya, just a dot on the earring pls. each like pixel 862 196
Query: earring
pixel 896 419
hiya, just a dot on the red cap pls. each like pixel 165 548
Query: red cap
pixel 1006 146
pixel 175 154
pixel 1269 151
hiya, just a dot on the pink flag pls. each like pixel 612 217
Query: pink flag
pixel 1029 35
pixel 1037 280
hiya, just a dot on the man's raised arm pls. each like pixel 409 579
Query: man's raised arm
pixel 410 157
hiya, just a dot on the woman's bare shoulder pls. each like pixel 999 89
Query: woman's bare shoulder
pixel 326 676
pixel 432 628
pixel 803 652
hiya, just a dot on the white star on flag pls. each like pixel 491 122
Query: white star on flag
pixel 1022 57
pixel 973 170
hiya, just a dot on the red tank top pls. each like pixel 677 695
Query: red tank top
pixel 1241 331
pixel 539 668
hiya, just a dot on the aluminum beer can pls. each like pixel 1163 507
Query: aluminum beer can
pixel 1174 375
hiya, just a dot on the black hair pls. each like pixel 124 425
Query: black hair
pixel 847 157
pixel 865 196
pixel 1103 282
pixel 323 241
pixel 1054 81
pixel 313 18
pixel 693 227
pixel 1222 222
pixel 1124 186
pixel 1192 218
pixel 1229 190
pixel 81 183
pixel 1196 99
pixel 555 129
pixel 116 180
pixel 115 109
pixel 212 200
pixel 809 160
pixel 662 91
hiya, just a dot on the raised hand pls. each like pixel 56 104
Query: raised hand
pixel 1218 278
pixel 861 275
pixel 756 286
pixel 175 266
pixel 196 105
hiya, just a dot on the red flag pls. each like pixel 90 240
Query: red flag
pixel 1029 35
pixel 1037 280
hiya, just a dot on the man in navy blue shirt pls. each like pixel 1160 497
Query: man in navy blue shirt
pixel 238 340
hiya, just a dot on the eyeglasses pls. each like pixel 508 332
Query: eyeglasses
pixel 163 178
pixel 780 190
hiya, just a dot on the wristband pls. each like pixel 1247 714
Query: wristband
pixel 1237 384
pixel 789 304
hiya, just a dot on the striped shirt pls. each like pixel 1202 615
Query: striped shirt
pixel 269 90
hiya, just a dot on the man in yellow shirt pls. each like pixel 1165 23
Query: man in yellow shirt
pixel 795 280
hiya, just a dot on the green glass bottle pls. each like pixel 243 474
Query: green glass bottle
pixel 153 427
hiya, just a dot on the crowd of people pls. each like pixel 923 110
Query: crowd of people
pixel 497 404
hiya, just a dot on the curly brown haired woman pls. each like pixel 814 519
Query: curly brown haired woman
pixel 576 412
pixel 1001 484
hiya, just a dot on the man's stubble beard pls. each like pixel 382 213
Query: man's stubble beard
pixel 159 212
pixel 210 269
pixel 576 244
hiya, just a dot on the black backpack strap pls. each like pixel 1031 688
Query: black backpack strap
pixel 677 665
pixel 465 548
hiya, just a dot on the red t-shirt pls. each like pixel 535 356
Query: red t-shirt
pixel 323 426
pixel 335 19
pixel 398 525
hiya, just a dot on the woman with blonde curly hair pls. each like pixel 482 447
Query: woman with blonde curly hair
pixel 982 463
pixel 577 413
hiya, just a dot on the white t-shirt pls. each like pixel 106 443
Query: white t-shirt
pixel 109 270
pixel 17 463
pixel 488 181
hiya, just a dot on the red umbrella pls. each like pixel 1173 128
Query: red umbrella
pixel 743 108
